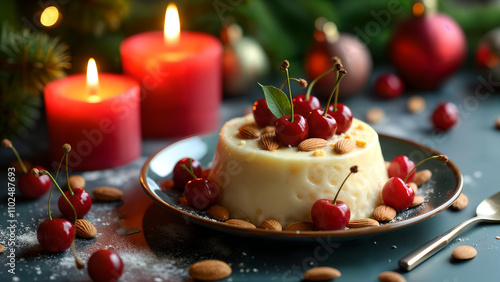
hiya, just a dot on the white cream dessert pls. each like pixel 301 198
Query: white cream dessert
pixel 283 184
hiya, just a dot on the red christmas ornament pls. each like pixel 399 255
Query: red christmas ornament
pixel 427 48
pixel 355 56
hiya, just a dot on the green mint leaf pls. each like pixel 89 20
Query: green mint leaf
pixel 277 101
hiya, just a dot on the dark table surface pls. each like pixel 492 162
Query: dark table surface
pixel 157 245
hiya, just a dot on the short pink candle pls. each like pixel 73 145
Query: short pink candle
pixel 180 81
pixel 103 128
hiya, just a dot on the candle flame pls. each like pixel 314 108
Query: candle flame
pixel 92 81
pixel 172 28
pixel 49 16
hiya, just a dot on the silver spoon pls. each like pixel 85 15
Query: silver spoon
pixel 488 210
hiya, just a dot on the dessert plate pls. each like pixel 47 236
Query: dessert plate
pixel 439 193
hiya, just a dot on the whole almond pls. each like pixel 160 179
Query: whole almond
pixel 417 200
pixel 210 270
pixel 269 142
pixel 107 194
pixel 321 273
pixel 463 252
pixel 300 226
pixel 384 213
pixel 249 131
pixel 2 248
pixel 240 223
pixel 422 176
pixel 413 186
pixel 391 276
pixel 375 115
pixel 312 144
pixel 344 146
pixel 416 104
pixel 460 203
pixel 269 129
pixel 271 224
pixel 218 212
pixel 362 222
pixel 76 181
pixel 497 123
pixel 85 229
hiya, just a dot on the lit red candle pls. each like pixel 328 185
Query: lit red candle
pixel 180 77
pixel 98 115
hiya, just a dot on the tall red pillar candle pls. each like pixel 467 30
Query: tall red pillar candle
pixel 102 126
pixel 180 80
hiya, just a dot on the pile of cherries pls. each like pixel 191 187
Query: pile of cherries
pixel 200 192
pixel 307 119
pixel 58 234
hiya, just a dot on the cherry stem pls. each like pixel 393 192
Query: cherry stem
pixel 190 169
pixel 52 187
pixel 23 167
pixel 354 169
pixel 289 93
pixel 291 78
pixel 309 89
pixel 336 91
pixel 67 176
pixel 441 157
pixel 60 190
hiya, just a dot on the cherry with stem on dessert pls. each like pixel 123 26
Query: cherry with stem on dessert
pixel 322 124
pixel 105 265
pixel 79 198
pixel 401 166
pixel 262 115
pixel 57 235
pixel 30 186
pixel 303 104
pixel 445 116
pixel 200 193
pixel 181 175
pixel 389 86
pixel 332 215
pixel 340 112
pixel 291 129
pixel 397 193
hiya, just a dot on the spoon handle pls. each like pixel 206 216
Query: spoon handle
pixel 427 250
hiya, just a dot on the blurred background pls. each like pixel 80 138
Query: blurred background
pixel 39 44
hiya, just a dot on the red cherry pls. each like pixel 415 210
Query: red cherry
pixel 321 126
pixel 342 115
pixel 105 266
pixel 262 115
pixel 182 176
pixel 397 194
pixel 389 86
pixel 400 167
pixel 445 116
pixel 34 187
pixel 329 216
pixel 303 107
pixel 81 200
pixel 201 193
pixel 55 235
pixel 291 133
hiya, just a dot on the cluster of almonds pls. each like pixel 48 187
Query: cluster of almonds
pixel 269 142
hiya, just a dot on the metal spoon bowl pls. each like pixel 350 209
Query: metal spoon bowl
pixel 487 211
